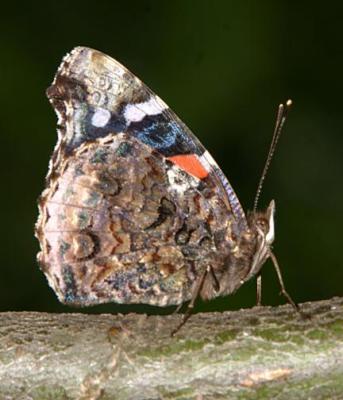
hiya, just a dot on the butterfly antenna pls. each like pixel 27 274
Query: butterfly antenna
pixel 279 123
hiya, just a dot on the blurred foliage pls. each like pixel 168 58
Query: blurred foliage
pixel 223 66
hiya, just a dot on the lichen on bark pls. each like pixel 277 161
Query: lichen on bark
pixel 258 353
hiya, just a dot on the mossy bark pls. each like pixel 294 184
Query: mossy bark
pixel 256 353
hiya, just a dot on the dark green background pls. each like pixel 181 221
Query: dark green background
pixel 223 66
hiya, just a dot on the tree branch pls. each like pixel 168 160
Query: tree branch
pixel 255 353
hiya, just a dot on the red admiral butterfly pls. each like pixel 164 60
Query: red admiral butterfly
pixel 136 210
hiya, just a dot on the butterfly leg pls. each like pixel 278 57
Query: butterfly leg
pixel 282 285
pixel 216 284
pixel 178 308
pixel 195 294
pixel 259 291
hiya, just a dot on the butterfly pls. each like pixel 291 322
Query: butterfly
pixel 135 209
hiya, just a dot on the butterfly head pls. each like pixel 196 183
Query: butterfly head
pixel 262 223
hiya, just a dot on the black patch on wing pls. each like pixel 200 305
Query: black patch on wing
pixel 164 134
pixel 116 124
pixel 89 132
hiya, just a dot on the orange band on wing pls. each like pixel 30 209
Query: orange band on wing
pixel 191 164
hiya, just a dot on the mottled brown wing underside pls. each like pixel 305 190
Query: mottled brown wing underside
pixel 123 224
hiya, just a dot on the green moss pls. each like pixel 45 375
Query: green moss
pixel 49 393
pixel 273 335
pixel 326 387
pixel 178 347
pixel 337 327
pixel 6 357
pixel 317 334
pixel 264 391
pixel 297 339
pixel 243 353
pixel 320 384
pixel 182 394
pixel 226 336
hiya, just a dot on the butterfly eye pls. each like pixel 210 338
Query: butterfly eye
pixel 262 224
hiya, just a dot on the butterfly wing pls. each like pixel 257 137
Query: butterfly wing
pixel 94 95
pixel 135 207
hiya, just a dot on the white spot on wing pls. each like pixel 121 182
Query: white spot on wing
pixel 136 112
pixel 151 107
pixel 101 117
pixel 133 114
pixel 178 181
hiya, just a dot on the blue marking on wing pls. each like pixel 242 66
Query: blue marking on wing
pixel 158 135
pixel 163 134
